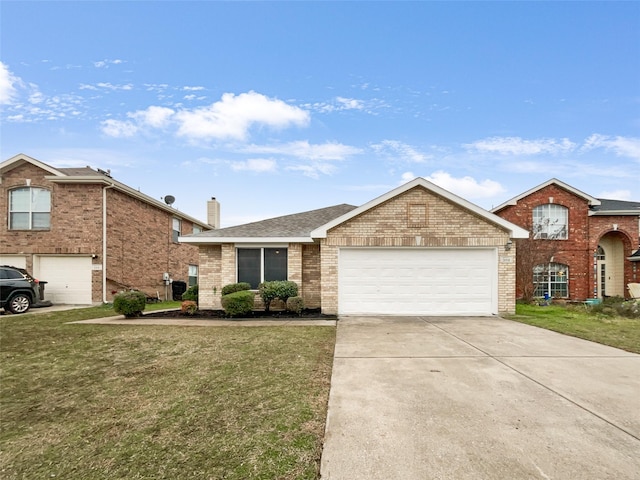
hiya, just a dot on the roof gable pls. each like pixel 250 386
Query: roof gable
pixel 592 201
pixel 21 158
pixel 514 230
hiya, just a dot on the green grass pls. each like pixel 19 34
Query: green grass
pixel 146 402
pixel 582 322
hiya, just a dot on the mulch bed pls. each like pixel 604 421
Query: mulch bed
pixel 307 314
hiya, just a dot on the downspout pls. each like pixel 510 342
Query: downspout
pixel 104 242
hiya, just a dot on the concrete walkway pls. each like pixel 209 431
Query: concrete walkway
pixel 478 398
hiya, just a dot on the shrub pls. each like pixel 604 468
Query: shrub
pixel 189 307
pixel 130 304
pixel 191 294
pixel 295 304
pixel 235 287
pixel 281 289
pixel 238 303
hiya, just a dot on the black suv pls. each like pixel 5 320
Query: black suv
pixel 18 289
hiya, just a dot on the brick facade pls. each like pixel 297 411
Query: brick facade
pixel 139 246
pixel 584 234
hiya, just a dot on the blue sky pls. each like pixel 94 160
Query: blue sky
pixel 282 107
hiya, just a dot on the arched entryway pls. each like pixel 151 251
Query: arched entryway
pixel 610 265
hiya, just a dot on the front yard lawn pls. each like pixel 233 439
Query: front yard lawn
pixel 583 322
pixel 149 402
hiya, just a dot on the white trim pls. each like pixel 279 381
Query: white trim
pixel 613 213
pixel 14 161
pixel 554 181
pixel 514 230
pixel 201 240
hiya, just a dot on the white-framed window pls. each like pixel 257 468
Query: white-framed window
pixel 550 222
pixel 196 229
pixel 177 228
pixel 29 208
pixel 552 279
pixel 193 275
pixel 260 264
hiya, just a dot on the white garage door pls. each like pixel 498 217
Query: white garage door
pixel 69 279
pixel 410 281
pixel 18 261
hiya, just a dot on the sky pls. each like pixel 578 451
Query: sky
pixel 282 107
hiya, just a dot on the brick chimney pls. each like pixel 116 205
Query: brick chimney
pixel 213 213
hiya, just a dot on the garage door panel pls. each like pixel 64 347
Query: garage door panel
pixel 417 281
pixel 68 279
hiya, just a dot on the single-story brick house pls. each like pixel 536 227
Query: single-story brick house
pixel 416 250
pixel 591 243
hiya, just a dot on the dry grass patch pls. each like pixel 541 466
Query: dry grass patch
pixel 137 402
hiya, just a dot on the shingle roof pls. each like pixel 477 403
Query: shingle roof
pixel 295 225
pixel 79 172
pixel 616 205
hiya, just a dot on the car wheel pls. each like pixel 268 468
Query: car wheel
pixel 19 303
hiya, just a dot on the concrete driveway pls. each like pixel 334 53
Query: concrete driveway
pixel 478 398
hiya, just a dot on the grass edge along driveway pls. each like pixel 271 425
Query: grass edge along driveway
pixel 141 402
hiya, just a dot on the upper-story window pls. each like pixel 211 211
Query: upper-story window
pixel 177 226
pixel 29 208
pixel 550 222
pixel 196 229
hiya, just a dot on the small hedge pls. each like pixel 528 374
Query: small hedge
pixel 189 307
pixel 191 294
pixel 295 304
pixel 235 287
pixel 238 303
pixel 130 304
pixel 281 289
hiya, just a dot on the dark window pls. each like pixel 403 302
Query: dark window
pixel 256 265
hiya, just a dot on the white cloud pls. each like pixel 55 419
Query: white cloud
pixel 305 150
pixel 466 187
pixel 339 104
pixel 314 170
pixel 106 63
pixel 118 128
pixel 156 117
pixel 192 89
pixel 8 82
pixel 234 115
pixel 519 146
pixel 616 195
pixel 398 151
pixel 258 165
pixel 621 146
pixel 407 177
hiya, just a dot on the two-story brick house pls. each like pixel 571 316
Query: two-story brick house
pixel 591 244
pixel 89 235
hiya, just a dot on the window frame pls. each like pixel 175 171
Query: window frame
pixel 176 233
pixel 31 212
pixel 545 217
pixel 192 280
pixel 553 278
pixel 262 259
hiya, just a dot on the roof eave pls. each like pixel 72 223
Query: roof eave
pixel 204 240
pixel 613 213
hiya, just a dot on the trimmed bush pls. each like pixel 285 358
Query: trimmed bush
pixel 191 294
pixel 130 304
pixel 295 304
pixel 189 307
pixel 238 303
pixel 235 287
pixel 281 289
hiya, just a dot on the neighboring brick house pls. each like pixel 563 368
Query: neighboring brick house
pixel 417 250
pixel 88 235
pixel 593 243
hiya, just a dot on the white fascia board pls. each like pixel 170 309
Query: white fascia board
pixel 16 159
pixel 204 240
pixel 554 181
pixel 514 230
pixel 613 213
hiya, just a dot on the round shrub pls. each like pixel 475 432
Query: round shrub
pixel 281 289
pixel 191 294
pixel 189 307
pixel 235 287
pixel 130 304
pixel 295 304
pixel 238 303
